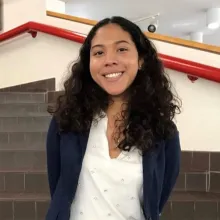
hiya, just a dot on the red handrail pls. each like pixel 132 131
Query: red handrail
pixel 181 65
pixel 34 26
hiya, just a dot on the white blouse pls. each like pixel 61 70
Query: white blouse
pixel 108 188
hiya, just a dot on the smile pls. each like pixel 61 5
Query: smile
pixel 113 75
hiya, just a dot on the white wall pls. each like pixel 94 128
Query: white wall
pixel 55 5
pixel 199 122
pixel 25 59
pixel 17 12
pixel 186 53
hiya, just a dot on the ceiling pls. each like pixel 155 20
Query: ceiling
pixel 178 18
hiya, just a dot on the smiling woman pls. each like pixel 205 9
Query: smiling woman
pixel 114 59
pixel 113 149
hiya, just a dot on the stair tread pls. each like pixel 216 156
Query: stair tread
pixel 194 196
pixel 44 129
pixel 45 115
pixel 26 104
pixel 6 196
pixel 22 115
pixel 22 150
pixel 43 93
pixel 26 171
pixel 23 132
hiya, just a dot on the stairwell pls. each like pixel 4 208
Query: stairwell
pixel 23 178
pixel 24 190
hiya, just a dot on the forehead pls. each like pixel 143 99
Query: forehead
pixel 110 33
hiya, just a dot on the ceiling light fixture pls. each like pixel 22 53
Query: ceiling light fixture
pixel 152 27
pixel 147 18
pixel 197 37
pixel 213 18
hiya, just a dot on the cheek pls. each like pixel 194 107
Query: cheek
pixel 133 66
pixel 131 60
pixel 94 68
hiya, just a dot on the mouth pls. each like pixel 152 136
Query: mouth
pixel 112 76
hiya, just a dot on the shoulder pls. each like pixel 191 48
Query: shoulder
pixel 54 130
pixel 174 138
pixel 172 145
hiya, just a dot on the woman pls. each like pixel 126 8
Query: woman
pixel 113 150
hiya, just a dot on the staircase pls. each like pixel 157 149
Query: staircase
pixel 196 195
pixel 24 191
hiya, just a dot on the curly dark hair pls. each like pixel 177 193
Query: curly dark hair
pixel 149 113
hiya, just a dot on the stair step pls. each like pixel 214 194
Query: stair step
pixel 23 97
pixel 20 109
pixel 24 182
pixel 24 171
pixel 28 160
pixel 31 124
pixel 23 140
pixel 28 114
pixel 23 206
pixel 24 190
pixel 195 196
pixel 192 206
pixel 24 197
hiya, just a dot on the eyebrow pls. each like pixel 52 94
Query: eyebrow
pixel 117 42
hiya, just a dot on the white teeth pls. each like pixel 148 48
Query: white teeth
pixel 112 75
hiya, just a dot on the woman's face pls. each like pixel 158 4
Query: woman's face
pixel 114 59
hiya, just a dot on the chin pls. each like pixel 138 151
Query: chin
pixel 116 93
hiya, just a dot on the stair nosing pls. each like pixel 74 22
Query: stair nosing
pixel 22 150
pixel 24 116
pixel 24 171
pixel 5 196
pixel 23 132
pixel 43 93
pixel 27 116
pixel 28 103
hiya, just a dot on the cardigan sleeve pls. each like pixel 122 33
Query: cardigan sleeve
pixel 172 167
pixel 53 155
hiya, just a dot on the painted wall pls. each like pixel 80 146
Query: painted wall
pixel 17 12
pixel 199 122
pixel 56 5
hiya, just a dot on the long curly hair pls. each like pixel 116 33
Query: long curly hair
pixel 149 113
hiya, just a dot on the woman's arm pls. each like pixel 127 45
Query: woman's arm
pixel 172 167
pixel 53 155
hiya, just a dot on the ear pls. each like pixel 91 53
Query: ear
pixel 140 63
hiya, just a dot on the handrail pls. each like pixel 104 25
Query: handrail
pixel 33 27
pixel 191 68
pixel 153 36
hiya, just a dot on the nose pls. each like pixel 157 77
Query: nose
pixel 111 59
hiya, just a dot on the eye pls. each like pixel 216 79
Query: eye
pixel 122 49
pixel 98 53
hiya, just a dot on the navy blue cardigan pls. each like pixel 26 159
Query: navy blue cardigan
pixel 65 152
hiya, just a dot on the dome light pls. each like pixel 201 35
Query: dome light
pixel 197 36
pixel 213 18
